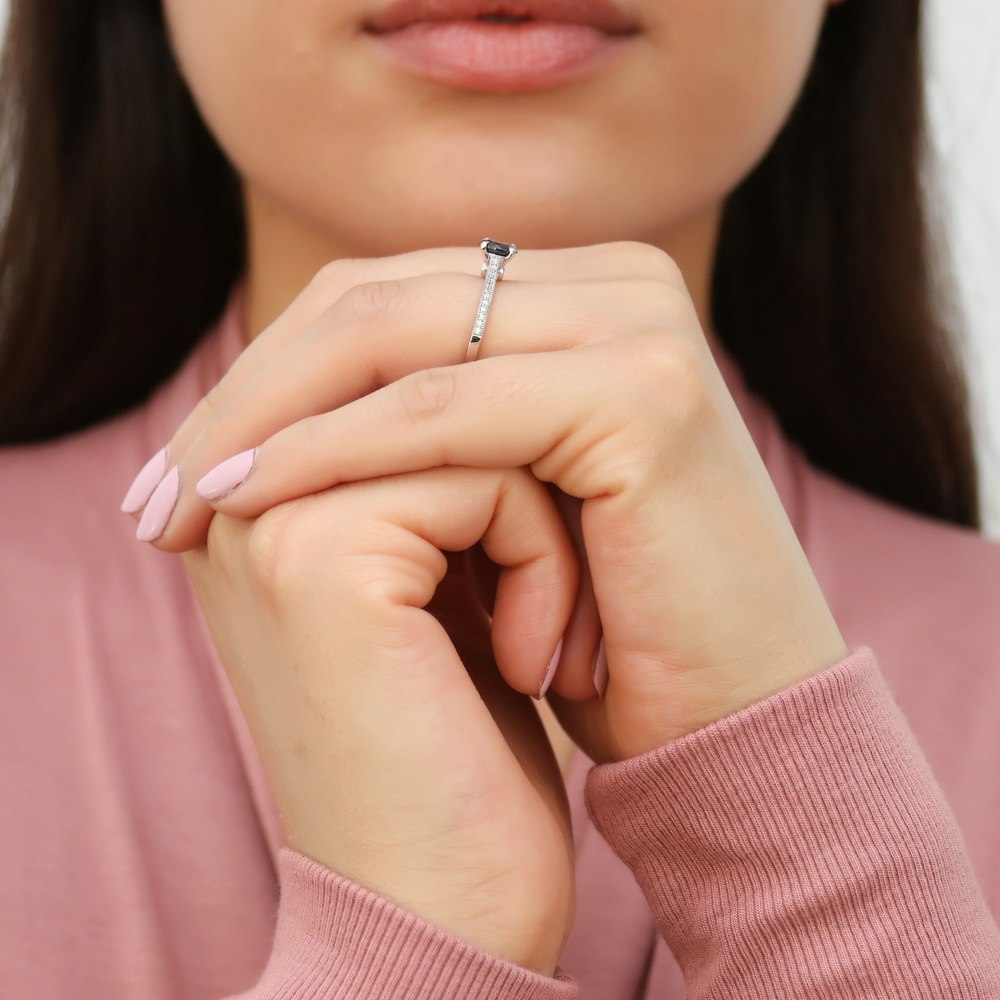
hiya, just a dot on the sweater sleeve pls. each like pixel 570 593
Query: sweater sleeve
pixel 338 940
pixel 801 847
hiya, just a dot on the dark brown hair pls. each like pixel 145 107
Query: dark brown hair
pixel 124 233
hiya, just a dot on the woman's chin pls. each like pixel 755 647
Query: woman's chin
pixel 539 222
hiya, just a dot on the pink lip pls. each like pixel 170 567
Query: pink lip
pixel 448 40
pixel 605 15
pixel 480 55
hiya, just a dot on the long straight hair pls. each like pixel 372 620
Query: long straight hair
pixel 124 233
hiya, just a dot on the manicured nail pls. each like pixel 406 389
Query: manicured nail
pixel 160 507
pixel 601 670
pixel 550 672
pixel 144 483
pixel 227 475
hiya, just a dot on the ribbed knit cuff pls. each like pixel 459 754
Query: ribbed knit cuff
pixel 801 847
pixel 337 939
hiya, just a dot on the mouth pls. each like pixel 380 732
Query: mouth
pixel 603 15
pixel 501 45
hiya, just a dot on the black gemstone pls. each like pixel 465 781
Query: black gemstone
pixel 500 249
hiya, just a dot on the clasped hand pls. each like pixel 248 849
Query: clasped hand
pixel 593 453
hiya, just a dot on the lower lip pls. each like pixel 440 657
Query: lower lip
pixel 481 55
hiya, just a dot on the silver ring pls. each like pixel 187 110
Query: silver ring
pixel 492 271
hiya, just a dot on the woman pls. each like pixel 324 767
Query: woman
pixel 242 239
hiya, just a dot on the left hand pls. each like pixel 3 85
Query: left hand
pixel 398 749
pixel 606 389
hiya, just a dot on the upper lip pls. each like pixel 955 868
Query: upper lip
pixel 602 14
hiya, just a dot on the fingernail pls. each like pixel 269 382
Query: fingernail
pixel 160 507
pixel 226 476
pixel 144 483
pixel 601 670
pixel 550 672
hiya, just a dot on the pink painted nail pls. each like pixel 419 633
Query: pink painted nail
pixel 227 475
pixel 550 672
pixel 144 483
pixel 160 507
pixel 601 670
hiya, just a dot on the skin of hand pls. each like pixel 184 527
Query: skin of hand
pixel 594 451
pixel 596 376
pixel 398 754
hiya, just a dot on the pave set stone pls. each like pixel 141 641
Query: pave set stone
pixel 492 269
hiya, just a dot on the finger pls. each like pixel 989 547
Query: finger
pixel 581 643
pixel 357 347
pixel 605 423
pixel 549 412
pixel 603 261
pixel 521 531
pixel 582 637
pixel 485 575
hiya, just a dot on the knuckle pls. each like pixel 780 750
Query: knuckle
pixel 677 372
pixel 208 409
pixel 396 568
pixel 316 434
pixel 200 425
pixel 654 260
pixel 372 299
pixel 269 545
pixel 344 550
pixel 426 393
pixel 335 276
pixel 662 306
pixel 331 282
pixel 282 545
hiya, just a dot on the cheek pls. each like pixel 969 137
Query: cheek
pixel 732 72
pixel 255 68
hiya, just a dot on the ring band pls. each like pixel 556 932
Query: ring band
pixel 492 270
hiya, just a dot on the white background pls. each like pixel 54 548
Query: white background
pixel 964 93
pixel 964 99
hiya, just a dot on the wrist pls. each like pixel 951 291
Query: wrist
pixel 702 699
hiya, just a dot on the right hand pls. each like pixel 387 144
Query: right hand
pixel 424 778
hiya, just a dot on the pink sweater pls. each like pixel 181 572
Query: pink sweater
pixel 836 840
